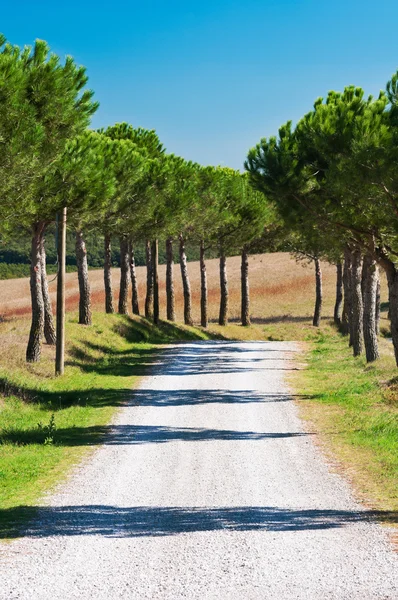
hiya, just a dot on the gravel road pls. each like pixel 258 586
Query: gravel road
pixel 207 487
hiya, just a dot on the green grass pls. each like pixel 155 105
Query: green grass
pixel 354 406
pixel 104 362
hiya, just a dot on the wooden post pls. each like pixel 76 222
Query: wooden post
pixel 155 260
pixel 60 344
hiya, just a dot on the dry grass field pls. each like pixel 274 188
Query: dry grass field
pixel 280 287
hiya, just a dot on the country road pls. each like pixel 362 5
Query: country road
pixel 208 486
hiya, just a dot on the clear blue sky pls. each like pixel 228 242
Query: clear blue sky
pixel 213 77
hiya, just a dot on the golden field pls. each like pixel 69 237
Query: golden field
pixel 280 287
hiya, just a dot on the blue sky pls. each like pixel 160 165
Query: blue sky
pixel 214 77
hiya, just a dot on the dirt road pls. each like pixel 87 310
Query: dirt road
pixel 207 487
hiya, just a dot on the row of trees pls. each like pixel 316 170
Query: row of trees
pixel 118 182
pixel 333 179
pixel 326 188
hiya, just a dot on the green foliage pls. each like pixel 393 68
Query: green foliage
pixel 44 107
pixel 48 431
pixel 331 176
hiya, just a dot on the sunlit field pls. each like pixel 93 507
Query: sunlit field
pixel 280 287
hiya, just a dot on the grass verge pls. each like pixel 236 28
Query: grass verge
pixel 354 409
pixel 47 424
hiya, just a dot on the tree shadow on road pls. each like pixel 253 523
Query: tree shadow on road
pixel 195 358
pixel 138 434
pixel 153 521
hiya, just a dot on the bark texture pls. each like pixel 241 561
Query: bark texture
pixel 318 294
pixel 378 304
pixel 134 284
pixel 357 304
pixel 347 310
pixel 392 279
pixel 33 350
pixel 84 285
pixel 223 315
pixel 170 295
pixel 245 294
pixel 185 283
pixel 49 326
pixel 124 276
pixel 370 277
pixel 339 294
pixel 155 260
pixel 107 275
pixel 149 281
pixel 204 319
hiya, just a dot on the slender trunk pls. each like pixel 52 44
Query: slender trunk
pixel 204 319
pixel 339 294
pixel 49 326
pixel 357 305
pixel 84 285
pixel 149 282
pixel 316 321
pixel 185 284
pixel 61 253
pixel 134 284
pixel 223 315
pixel 124 276
pixel 170 297
pixel 245 295
pixel 347 317
pixel 392 279
pixel 370 276
pixel 155 260
pixel 107 275
pixel 378 303
pixel 37 327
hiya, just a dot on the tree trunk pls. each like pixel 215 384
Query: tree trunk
pixel 378 303
pixel 357 305
pixel 124 276
pixel 370 276
pixel 223 315
pixel 347 310
pixel 245 296
pixel 61 255
pixel 185 284
pixel 84 285
pixel 316 321
pixel 392 279
pixel 170 296
pixel 155 260
pixel 204 319
pixel 339 294
pixel 134 284
pixel 49 327
pixel 149 281
pixel 107 275
pixel 37 327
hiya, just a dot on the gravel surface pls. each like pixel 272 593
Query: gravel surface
pixel 207 487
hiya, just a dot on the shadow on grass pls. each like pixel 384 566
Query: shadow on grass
pixel 120 435
pixel 143 330
pixel 154 521
pixel 384 306
pixel 281 319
